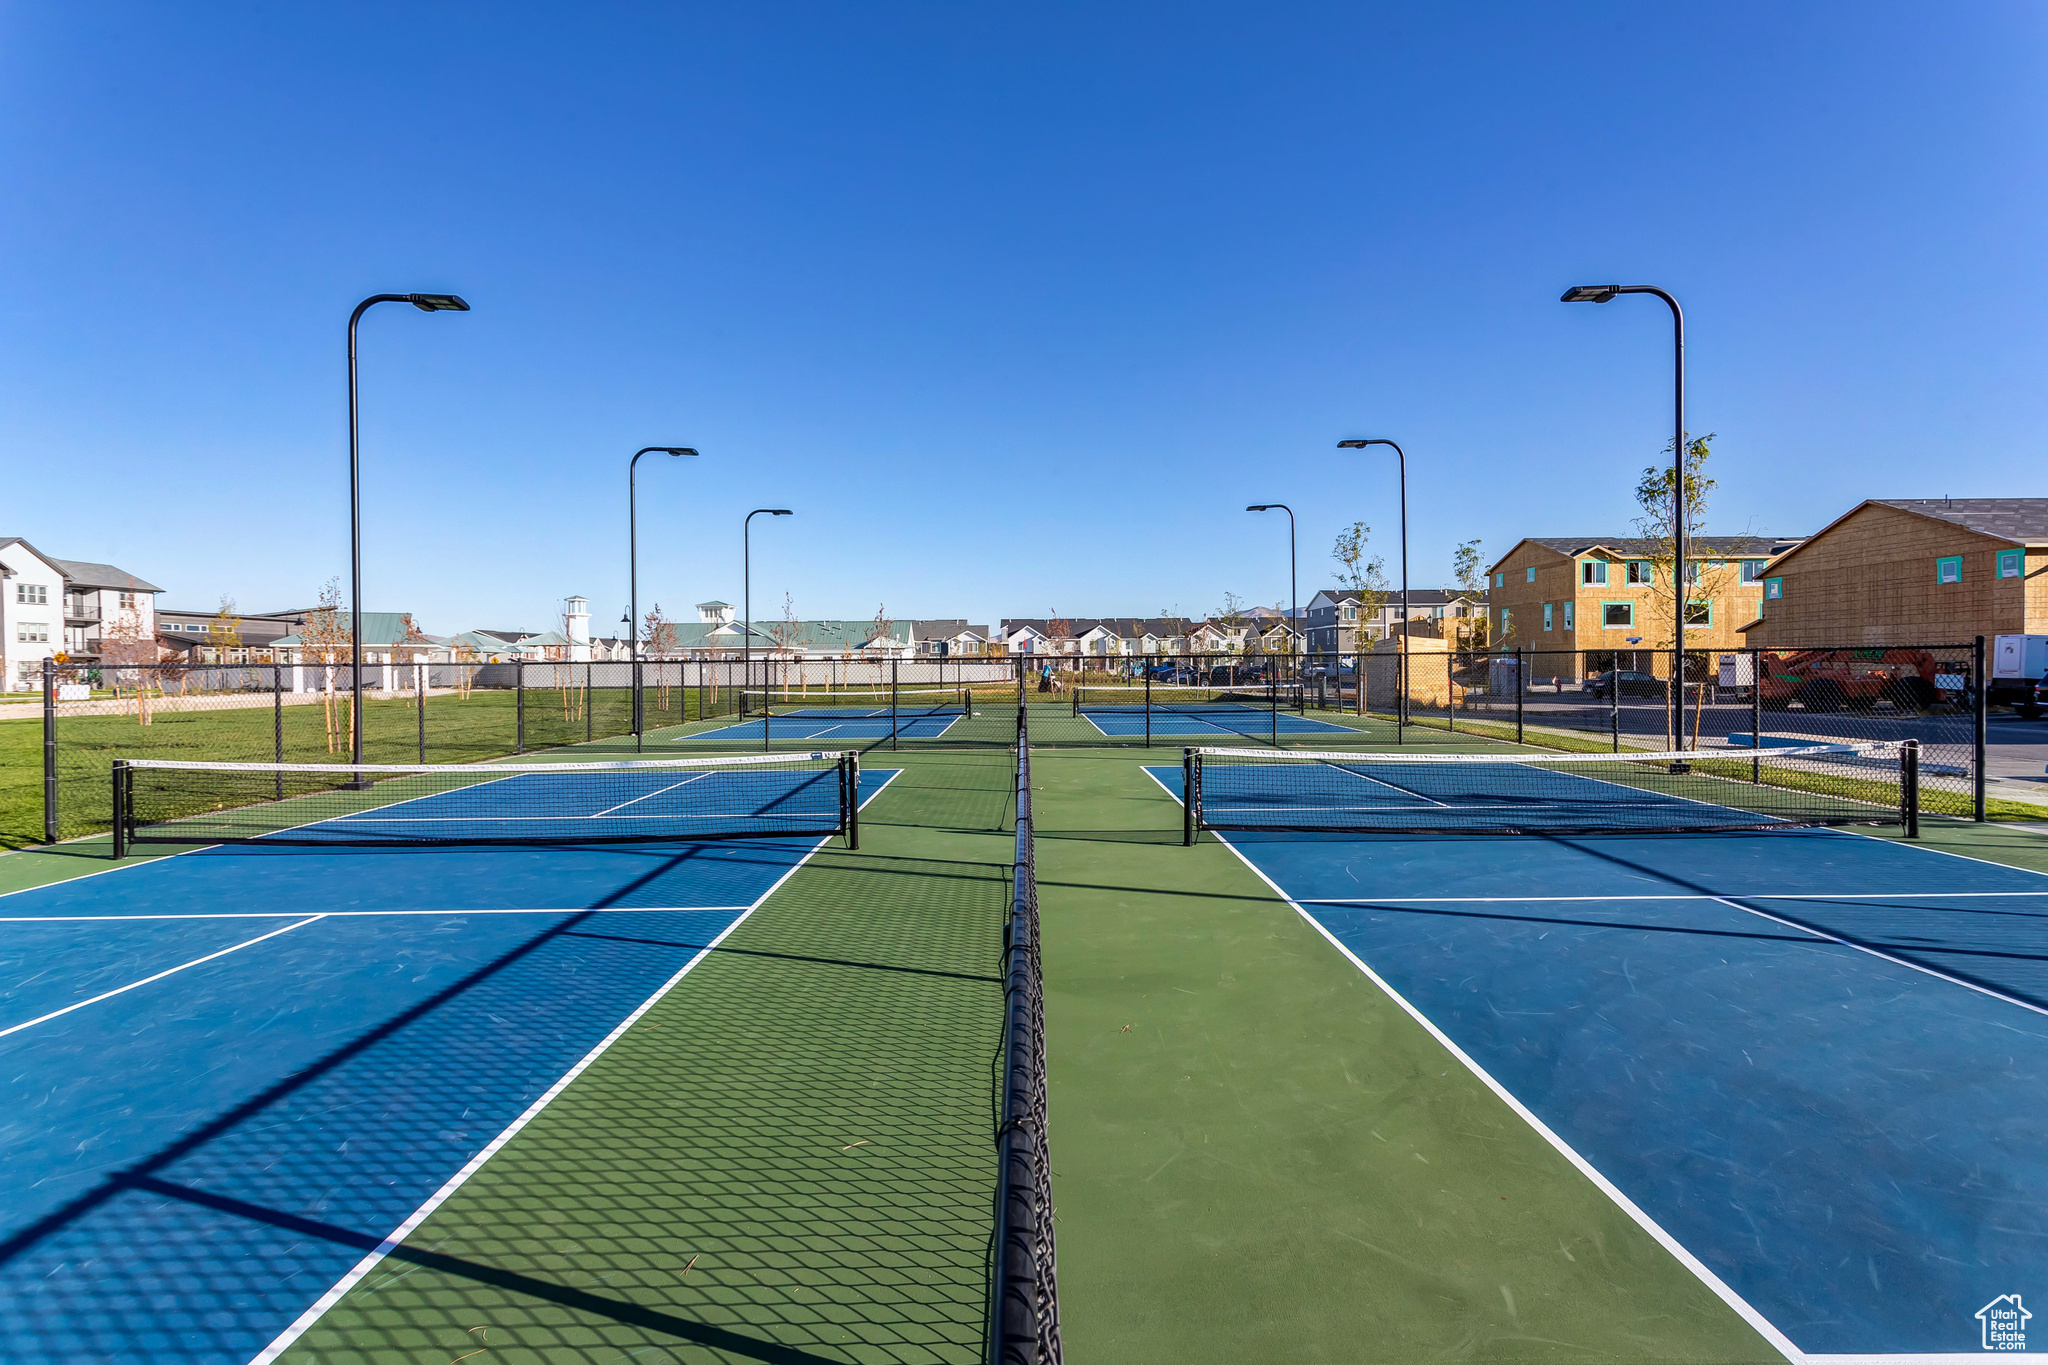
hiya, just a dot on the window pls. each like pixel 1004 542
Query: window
pixel 1504 613
pixel 1567 616
pixel 1774 588
pixel 1641 571
pixel 1948 569
pixel 1752 570
pixel 32 632
pixel 2012 563
pixel 1531 572
pixel 1500 580
pixel 1546 616
pixel 1692 571
pixel 1593 571
pixel 1699 615
pixel 127 601
pixel 1351 613
pixel 32 594
pixel 1614 614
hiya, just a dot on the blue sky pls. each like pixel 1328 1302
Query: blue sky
pixel 1016 306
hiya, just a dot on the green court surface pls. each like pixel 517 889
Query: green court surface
pixel 787 1159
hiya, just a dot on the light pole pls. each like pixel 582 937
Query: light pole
pixel 1293 587
pixel 747 591
pixel 633 568
pixel 1401 712
pixel 1602 293
pixel 426 303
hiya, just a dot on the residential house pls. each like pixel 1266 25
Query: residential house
pixel 390 638
pixel 1096 637
pixel 1342 621
pixel 948 638
pixel 1600 602
pixel 67 609
pixel 1903 571
pixel 188 634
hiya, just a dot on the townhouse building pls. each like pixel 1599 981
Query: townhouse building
pixel 69 609
pixel 1341 621
pixel 1594 603
pixel 1901 571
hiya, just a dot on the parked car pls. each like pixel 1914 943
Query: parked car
pixel 1631 684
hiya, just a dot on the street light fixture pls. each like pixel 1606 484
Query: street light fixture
pixel 747 590
pixel 1603 293
pixel 1293 588
pixel 633 569
pixel 426 303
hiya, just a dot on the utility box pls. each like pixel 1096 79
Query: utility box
pixel 1737 670
pixel 2020 656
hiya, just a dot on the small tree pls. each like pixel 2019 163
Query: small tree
pixel 324 640
pixel 1359 572
pixel 127 644
pixel 1706 572
pixel 1468 566
pixel 659 642
pixel 787 635
pixel 224 632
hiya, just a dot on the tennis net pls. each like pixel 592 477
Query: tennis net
pixel 1187 699
pixel 857 705
pixel 164 801
pixel 1626 793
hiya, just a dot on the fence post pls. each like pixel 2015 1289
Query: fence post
pixel 589 696
pixel 1521 686
pixel 893 724
pixel 1909 787
pixel 419 679
pixel 636 682
pixel 49 750
pixel 1148 708
pixel 519 702
pixel 277 723
pixel 1614 700
pixel 1983 720
pixel 1756 715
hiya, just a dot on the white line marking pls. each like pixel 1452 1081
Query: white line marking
pixel 168 971
pixel 391 1240
pixel 1628 1206
pixel 1689 896
pixel 671 787
pixel 373 914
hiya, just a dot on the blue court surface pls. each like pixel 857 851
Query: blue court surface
pixel 230 1074
pixel 836 726
pixel 1813 1063
pixel 1121 721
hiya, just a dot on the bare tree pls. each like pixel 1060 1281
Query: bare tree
pixel 786 634
pixel 324 640
pixel 224 632
pixel 127 644
pixel 659 642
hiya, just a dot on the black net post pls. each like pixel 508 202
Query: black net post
pixel 277 721
pixel 1909 787
pixel 519 704
pixel 1756 715
pixel 1521 687
pixel 49 751
pixel 1614 703
pixel 1273 704
pixel 1981 725
pixel 121 809
pixel 1187 798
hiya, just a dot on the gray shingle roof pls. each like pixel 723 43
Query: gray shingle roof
pixel 1417 597
pixel 2018 519
pixel 1633 545
pixel 84 573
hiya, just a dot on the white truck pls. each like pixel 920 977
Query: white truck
pixel 2018 664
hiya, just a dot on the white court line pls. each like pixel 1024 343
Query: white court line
pixel 374 914
pixel 168 971
pixel 1689 896
pixel 671 787
pixel 373 1258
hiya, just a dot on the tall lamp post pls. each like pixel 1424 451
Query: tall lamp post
pixel 1293 586
pixel 633 568
pixel 426 303
pixel 1401 709
pixel 747 590
pixel 1603 293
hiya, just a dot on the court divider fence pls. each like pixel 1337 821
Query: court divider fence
pixel 440 712
pixel 1024 1303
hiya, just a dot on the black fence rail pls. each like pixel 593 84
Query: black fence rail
pixel 1024 1324
pixel 1730 700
